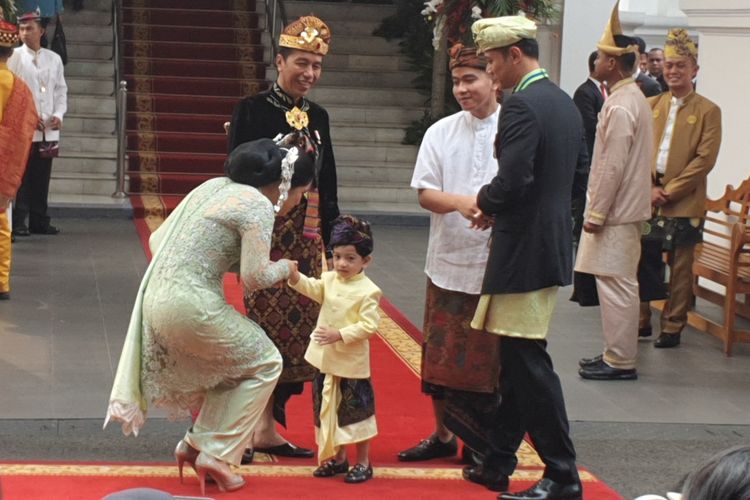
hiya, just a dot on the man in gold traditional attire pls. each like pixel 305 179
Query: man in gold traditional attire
pixel 18 121
pixel 687 136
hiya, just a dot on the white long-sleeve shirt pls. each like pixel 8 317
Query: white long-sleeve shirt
pixel 42 71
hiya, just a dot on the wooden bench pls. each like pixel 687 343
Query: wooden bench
pixel 724 258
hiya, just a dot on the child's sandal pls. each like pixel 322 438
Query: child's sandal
pixel 359 474
pixel 331 468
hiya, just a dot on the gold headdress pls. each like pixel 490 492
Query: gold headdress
pixel 679 44
pixel 8 30
pixel 307 33
pixel 466 56
pixel 607 42
pixel 498 32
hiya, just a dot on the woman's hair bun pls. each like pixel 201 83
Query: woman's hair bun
pixel 256 163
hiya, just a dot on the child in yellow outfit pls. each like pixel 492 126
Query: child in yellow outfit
pixel 343 397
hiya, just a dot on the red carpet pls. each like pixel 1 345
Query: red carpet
pixel 404 416
pixel 187 64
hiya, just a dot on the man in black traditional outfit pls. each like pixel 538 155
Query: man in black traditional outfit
pixel 288 317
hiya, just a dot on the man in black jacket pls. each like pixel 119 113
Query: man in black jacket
pixel 541 153
pixel 589 99
pixel 649 86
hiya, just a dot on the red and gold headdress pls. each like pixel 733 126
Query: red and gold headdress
pixel 8 30
pixel 307 33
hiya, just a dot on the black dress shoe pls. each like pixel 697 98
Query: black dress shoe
pixel 21 231
pixel 359 474
pixel 428 449
pixel 287 450
pixel 247 456
pixel 331 468
pixel 547 489
pixel 590 361
pixel 470 457
pixel 667 340
pixel 4 295
pixel 602 371
pixel 645 332
pixel 50 230
pixel 493 481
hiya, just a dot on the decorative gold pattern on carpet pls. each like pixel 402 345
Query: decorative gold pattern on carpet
pixel 400 342
pixel 246 470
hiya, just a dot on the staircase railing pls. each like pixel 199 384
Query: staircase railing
pixel 276 19
pixel 121 100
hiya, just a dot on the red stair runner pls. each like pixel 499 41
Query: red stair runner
pixel 187 64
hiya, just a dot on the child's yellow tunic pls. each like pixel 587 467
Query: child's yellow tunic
pixel 351 306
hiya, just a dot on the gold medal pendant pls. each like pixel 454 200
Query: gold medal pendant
pixel 297 119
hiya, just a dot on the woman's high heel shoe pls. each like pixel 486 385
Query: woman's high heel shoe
pixel 185 453
pixel 219 471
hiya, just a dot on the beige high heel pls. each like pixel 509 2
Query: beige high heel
pixel 225 479
pixel 185 453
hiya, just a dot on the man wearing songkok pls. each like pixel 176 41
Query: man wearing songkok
pixel 617 204
pixel 541 154
pixel 687 136
pixel 18 121
pixel 288 317
pixel 42 70
pixel 454 161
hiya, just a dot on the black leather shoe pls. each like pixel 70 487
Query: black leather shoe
pixel 470 457
pixel 590 361
pixel 331 468
pixel 602 371
pixel 667 340
pixel 50 230
pixel 428 449
pixel 4 295
pixel 645 332
pixel 247 456
pixel 493 481
pixel 21 231
pixel 287 450
pixel 547 489
pixel 358 474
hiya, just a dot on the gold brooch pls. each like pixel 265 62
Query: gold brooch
pixel 296 118
pixel 692 119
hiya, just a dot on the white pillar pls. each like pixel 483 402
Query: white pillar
pixel 722 54
pixel 582 27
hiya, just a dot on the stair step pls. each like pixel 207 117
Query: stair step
pixel 101 51
pixel 92 143
pixel 374 209
pixel 357 113
pixel 352 173
pixel 224 34
pixel 227 5
pixel 360 78
pixel 89 124
pixel 95 34
pixel 100 105
pixel 91 86
pixel 186 17
pixel 323 95
pixel 363 44
pixel 333 12
pixel 86 17
pixel 365 133
pixel 98 5
pixel 85 163
pixel 393 153
pixel 201 51
pixel 381 192
pixel 73 183
pixel 389 62
pixel 90 68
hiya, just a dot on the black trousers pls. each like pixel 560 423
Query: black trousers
pixel 532 401
pixel 31 200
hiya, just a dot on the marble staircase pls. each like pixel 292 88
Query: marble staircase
pixel 366 88
pixel 86 167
